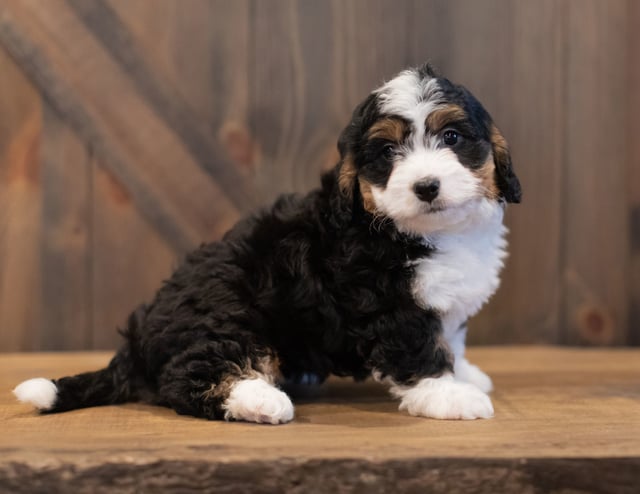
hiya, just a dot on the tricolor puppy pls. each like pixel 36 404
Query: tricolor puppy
pixel 373 274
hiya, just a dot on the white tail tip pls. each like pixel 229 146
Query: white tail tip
pixel 40 392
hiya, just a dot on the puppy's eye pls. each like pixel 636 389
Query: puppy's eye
pixel 450 137
pixel 388 151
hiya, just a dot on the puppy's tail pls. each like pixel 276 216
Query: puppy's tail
pixel 104 387
pixel 119 382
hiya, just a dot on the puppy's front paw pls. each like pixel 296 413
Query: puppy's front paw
pixel 255 400
pixel 445 398
pixel 469 373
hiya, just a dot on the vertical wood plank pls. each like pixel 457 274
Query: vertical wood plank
pixel 633 173
pixel 312 63
pixel 596 250
pixel 203 50
pixel 65 243
pixel 532 116
pixel 278 93
pixel 20 209
pixel 130 259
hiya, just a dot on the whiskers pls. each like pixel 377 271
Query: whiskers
pixel 378 221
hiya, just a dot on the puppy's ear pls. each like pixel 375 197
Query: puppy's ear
pixel 346 175
pixel 361 119
pixel 349 144
pixel 506 179
pixel 340 183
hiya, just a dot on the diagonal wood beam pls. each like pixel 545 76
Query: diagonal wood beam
pixel 105 24
pixel 99 101
pixel 61 98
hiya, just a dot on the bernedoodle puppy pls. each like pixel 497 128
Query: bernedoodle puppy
pixel 373 274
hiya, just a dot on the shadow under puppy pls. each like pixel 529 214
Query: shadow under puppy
pixel 373 274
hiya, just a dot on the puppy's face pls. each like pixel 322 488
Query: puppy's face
pixel 424 153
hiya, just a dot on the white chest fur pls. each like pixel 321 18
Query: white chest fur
pixel 463 271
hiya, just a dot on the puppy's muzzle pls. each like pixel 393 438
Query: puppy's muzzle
pixel 427 190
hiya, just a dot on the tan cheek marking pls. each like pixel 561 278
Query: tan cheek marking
pixel 487 176
pixel 368 201
pixel 443 116
pixel 347 176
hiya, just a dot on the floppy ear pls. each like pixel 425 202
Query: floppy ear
pixel 506 179
pixel 349 144
pixel 361 118
pixel 340 183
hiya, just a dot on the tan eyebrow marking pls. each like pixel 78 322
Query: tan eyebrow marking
pixel 391 129
pixel 442 116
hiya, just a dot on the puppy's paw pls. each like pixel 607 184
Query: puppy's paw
pixel 469 373
pixel 255 400
pixel 445 398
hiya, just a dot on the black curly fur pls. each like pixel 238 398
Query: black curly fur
pixel 324 299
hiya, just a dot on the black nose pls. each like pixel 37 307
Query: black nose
pixel 427 190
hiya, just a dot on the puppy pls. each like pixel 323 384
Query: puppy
pixel 373 274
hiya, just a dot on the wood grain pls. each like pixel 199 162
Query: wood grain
pixel 492 48
pixel 527 307
pixel 20 209
pixel 192 113
pixel 633 171
pixel 202 51
pixel 595 221
pixel 560 414
pixel 65 245
pixel 130 259
pixel 99 99
pixel 167 103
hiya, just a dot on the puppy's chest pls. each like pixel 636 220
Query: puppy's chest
pixel 460 275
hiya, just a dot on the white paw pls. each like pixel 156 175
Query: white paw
pixel 40 392
pixel 255 400
pixel 444 398
pixel 469 373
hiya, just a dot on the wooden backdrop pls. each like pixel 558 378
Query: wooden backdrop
pixel 131 130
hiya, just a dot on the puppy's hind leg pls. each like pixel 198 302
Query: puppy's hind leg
pixel 203 384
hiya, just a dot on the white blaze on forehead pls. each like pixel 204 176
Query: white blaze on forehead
pixel 411 97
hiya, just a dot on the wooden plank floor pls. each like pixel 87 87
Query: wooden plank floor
pixel 565 419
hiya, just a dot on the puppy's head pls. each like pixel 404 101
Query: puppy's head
pixel 424 153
